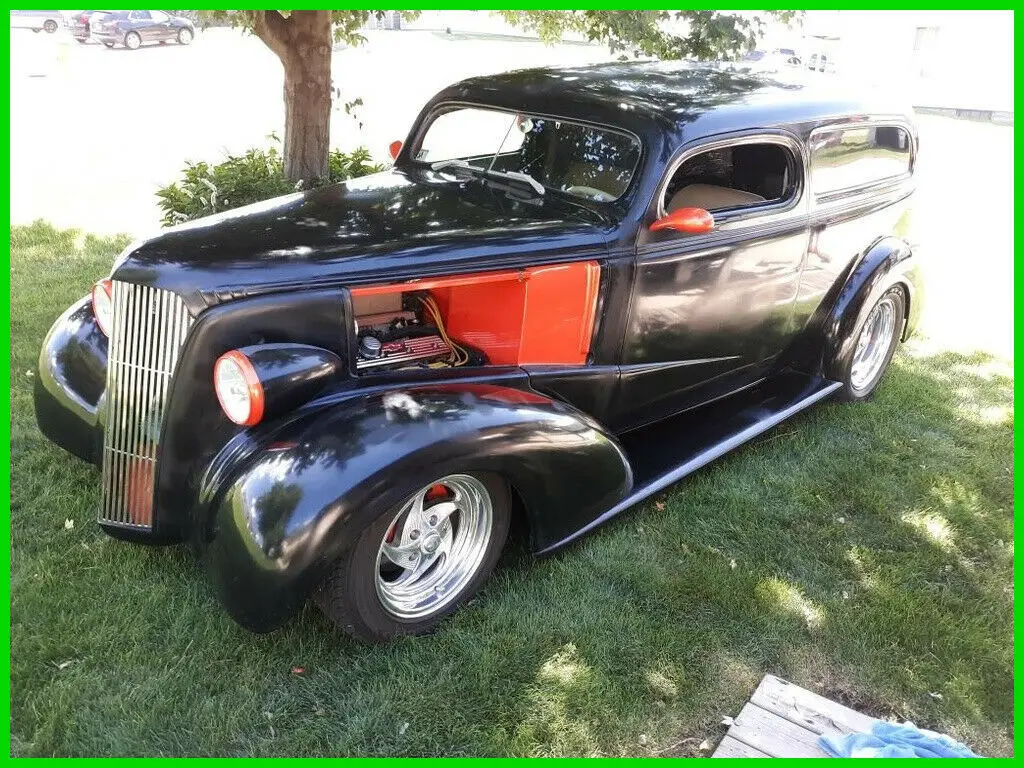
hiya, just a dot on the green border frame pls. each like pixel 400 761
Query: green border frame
pixel 444 5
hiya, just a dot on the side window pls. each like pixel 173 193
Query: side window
pixel 139 15
pixel 852 157
pixel 734 178
pixel 159 16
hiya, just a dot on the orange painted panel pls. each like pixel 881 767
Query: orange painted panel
pixel 561 302
pixel 540 315
pixel 488 316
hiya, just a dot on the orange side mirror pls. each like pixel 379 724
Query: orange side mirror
pixel 394 148
pixel 693 221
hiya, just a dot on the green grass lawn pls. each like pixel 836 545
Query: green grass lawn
pixel 865 552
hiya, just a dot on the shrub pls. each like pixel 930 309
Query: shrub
pixel 243 179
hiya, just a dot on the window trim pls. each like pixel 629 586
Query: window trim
pixel 865 187
pixel 729 215
pixel 447 106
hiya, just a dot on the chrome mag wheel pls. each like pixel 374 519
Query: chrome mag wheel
pixel 434 546
pixel 872 351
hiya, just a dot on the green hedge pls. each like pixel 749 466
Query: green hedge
pixel 243 179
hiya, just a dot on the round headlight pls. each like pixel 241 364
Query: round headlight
pixel 103 305
pixel 238 388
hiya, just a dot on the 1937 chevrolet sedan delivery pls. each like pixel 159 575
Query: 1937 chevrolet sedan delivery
pixel 574 287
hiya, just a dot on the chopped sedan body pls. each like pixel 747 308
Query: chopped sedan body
pixel 573 288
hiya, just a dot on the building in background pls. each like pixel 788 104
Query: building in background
pixel 953 59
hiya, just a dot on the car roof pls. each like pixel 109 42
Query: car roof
pixel 675 99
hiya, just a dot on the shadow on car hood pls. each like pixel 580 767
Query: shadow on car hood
pixel 385 226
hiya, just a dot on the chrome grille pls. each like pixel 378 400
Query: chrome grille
pixel 147 333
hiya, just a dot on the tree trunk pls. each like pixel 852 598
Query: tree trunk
pixel 303 42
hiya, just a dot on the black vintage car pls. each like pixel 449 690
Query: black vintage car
pixel 133 28
pixel 574 288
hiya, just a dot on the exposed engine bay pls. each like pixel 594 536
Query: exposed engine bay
pixel 411 335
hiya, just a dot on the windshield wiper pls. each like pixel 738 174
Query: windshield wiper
pixel 462 165
pixel 440 165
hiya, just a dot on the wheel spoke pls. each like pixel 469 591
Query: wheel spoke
pixel 437 515
pixel 419 567
pixel 415 521
pixel 447 540
pixel 404 555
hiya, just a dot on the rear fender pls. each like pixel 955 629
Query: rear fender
pixel 887 263
pixel 291 508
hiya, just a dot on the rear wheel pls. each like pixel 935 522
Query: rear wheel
pixel 876 338
pixel 132 41
pixel 418 563
pixel 185 36
pixel 50 26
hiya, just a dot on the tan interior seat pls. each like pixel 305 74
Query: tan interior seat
pixel 709 197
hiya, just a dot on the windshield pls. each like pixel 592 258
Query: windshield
pixel 585 161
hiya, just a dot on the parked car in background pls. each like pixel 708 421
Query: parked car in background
pixel 80 23
pixel 574 288
pixel 821 62
pixel 776 60
pixel 133 28
pixel 50 21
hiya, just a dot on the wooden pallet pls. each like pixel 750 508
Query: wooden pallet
pixel 785 720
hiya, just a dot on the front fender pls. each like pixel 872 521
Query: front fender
pixel 887 263
pixel 71 382
pixel 295 505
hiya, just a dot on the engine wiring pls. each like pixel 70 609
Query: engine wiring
pixel 459 355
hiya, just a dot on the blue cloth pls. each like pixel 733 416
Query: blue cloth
pixel 894 740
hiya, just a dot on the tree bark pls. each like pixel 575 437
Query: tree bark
pixel 303 41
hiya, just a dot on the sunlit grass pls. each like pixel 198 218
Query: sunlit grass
pixel 865 552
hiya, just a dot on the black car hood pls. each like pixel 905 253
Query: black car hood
pixel 390 225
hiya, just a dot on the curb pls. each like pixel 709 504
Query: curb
pixel 977 115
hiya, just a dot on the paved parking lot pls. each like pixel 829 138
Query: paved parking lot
pixel 94 132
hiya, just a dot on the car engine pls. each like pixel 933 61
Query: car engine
pixel 413 337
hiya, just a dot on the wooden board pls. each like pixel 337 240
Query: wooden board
pixel 814 712
pixel 785 720
pixel 730 747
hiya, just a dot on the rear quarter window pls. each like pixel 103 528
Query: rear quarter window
pixel 854 157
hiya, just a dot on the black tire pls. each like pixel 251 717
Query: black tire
pixel 50 26
pixel 856 389
pixel 81 40
pixel 132 41
pixel 349 593
pixel 185 36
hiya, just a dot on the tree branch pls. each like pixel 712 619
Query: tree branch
pixel 274 30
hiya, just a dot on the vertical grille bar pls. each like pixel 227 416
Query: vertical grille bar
pixel 148 330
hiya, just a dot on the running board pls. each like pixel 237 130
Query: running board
pixel 667 451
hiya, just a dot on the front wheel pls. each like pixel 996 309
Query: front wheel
pixel 418 563
pixel 876 339
pixel 184 36
pixel 132 41
pixel 50 26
